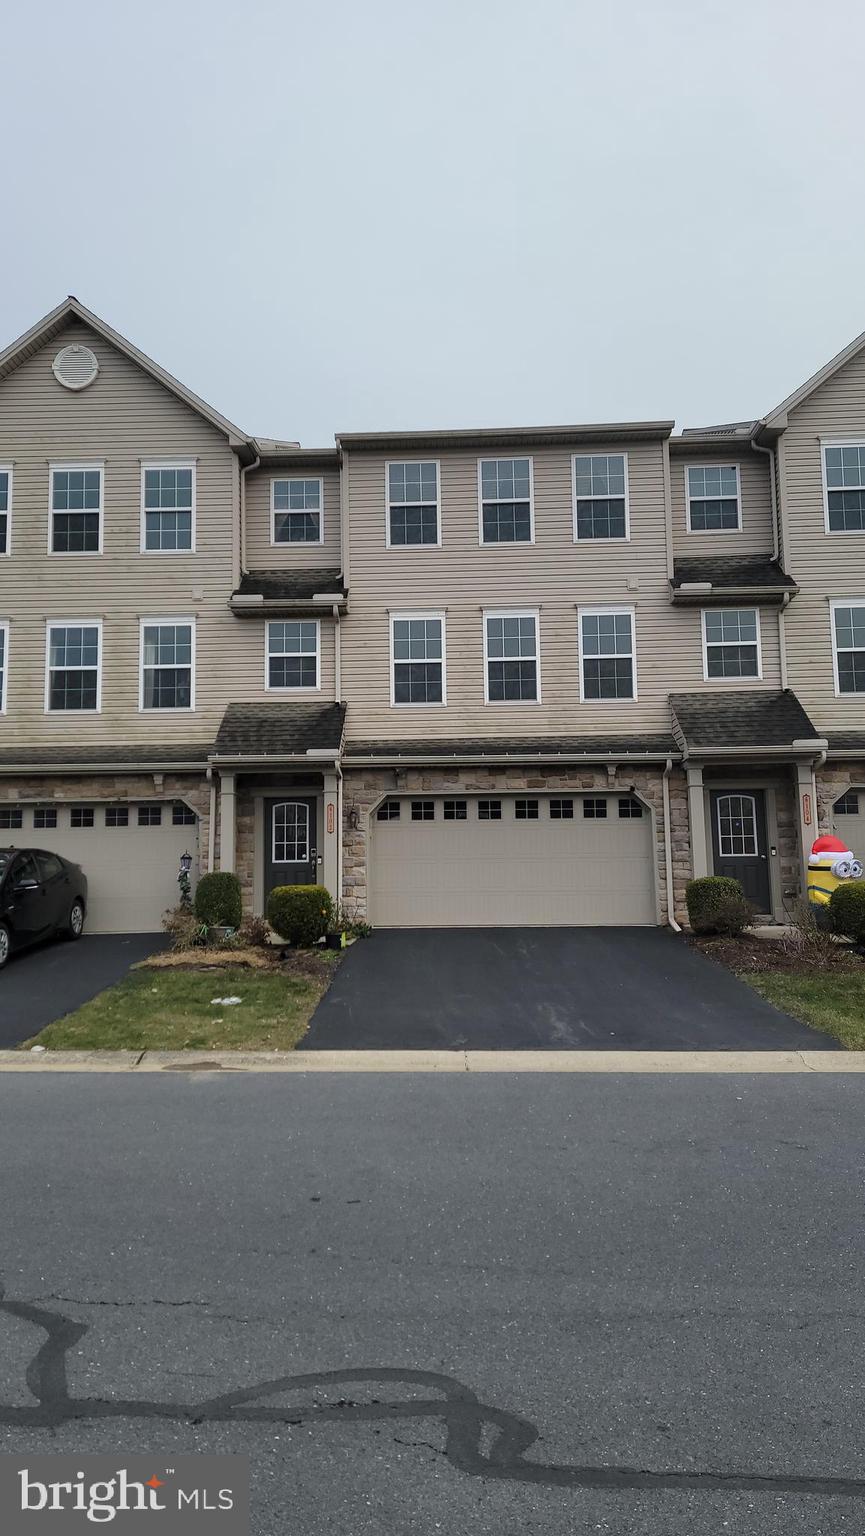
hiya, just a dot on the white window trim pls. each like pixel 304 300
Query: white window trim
pixel 590 455
pixel 594 612
pixel 8 469
pixel 389 464
pixel 148 623
pixel 298 543
pixel 493 458
pixel 66 465
pixel 4 678
pixel 700 533
pixel 513 613
pixel 425 613
pixel 841 602
pixel 738 794
pixel 838 533
pixel 739 681
pixel 274 859
pixel 168 464
pixel 277 688
pixel 50 624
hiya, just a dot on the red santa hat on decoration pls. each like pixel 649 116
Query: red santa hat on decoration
pixel 828 846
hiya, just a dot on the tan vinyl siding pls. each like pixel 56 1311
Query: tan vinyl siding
pixel 755 535
pixel 261 553
pixel 554 575
pixel 825 565
pixel 123 418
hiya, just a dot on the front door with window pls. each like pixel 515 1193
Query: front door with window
pixel 739 841
pixel 291 841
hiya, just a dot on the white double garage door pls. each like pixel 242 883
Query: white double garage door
pixel 512 860
pixel 131 869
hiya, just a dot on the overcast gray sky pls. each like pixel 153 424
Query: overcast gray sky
pixel 468 212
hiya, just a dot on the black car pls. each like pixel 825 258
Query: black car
pixel 41 895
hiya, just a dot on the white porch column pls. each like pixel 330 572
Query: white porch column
pixel 697 819
pixel 227 822
pixel 330 837
pixel 806 819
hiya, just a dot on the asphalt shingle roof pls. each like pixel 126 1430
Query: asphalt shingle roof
pixel 542 747
pixel 732 571
pixel 140 756
pixel 758 718
pixel 292 584
pixel 279 730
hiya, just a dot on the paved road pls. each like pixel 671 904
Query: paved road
pixel 552 1304
pixel 42 984
pixel 545 989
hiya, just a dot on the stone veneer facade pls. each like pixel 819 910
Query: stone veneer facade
pixel 364 788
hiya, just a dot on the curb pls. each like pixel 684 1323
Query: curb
pixel 299 1062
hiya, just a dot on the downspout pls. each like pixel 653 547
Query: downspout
pixel 211 828
pixel 773 494
pixel 337 656
pixel 782 637
pixel 818 763
pixel 668 851
pixel 339 832
pixel 243 474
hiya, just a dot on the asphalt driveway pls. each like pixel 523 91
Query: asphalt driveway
pixel 544 989
pixel 44 983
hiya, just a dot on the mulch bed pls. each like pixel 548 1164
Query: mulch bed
pixel 746 955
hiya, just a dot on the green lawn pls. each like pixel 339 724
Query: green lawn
pixel 171 1010
pixel 832 1001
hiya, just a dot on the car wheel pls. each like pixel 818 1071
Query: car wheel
pixel 75 920
pixel 5 944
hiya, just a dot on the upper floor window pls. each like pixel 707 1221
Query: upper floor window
pixel 293 654
pixel 417 643
pixel 601 496
pixel 713 498
pixel 167 664
pixel 848 637
pixel 296 510
pixel 844 479
pixel 506 501
pixel 607 657
pixel 5 507
pixel 731 642
pixel 73 665
pixel 511 658
pixel 413 503
pixel 4 663
pixel 167 507
pixel 76 509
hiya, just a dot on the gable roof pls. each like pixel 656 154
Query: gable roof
pixel 51 324
pixel 778 417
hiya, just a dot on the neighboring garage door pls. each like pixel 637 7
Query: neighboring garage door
pixel 515 860
pixel 848 821
pixel 131 869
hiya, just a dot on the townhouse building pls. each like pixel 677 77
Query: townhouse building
pixel 459 678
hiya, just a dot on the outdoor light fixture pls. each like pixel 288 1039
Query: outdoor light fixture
pixel 354 818
pixel 185 863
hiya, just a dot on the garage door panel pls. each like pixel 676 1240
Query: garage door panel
pixel 511 872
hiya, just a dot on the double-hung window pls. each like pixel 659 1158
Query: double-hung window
pixel 76 509
pixel 713 497
pixel 607 656
pixel 600 496
pixel 844 485
pixel 413 507
pixel 167 664
pixel 4 662
pixel 848 641
pixel 417 644
pixel 506 501
pixel 73 665
pixel 296 506
pixel 511 658
pixel 167 507
pixel 5 508
pixel 293 654
pixel 731 642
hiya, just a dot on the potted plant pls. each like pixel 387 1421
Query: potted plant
pixel 219 905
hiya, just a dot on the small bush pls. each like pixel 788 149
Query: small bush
pixel 217 900
pixel 717 904
pixel 343 922
pixel 300 913
pixel 813 944
pixel 182 927
pixel 254 932
pixel 847 909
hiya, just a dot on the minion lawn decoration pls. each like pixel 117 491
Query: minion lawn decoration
pixel 829 864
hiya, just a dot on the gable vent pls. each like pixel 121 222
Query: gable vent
pixel 75 367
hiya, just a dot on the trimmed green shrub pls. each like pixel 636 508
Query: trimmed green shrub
pixel 218 901
pixel 847 909
pixel 300 913
pixel 717 904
